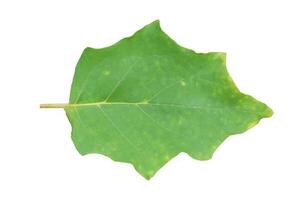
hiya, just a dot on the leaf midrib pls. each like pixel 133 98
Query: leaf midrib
pixel 75 105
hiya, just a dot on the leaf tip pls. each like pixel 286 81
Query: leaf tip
pixel 268 112
pixel 156 22
pixel 154 25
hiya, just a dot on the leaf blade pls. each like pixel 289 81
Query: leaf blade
pixel 146 99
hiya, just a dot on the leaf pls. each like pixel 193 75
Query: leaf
pixel 145 99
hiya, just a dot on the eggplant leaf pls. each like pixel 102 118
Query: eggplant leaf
pixel 145 99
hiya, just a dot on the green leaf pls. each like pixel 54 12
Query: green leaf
pixel 145 99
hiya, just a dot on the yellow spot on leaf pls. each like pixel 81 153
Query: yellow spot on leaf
pixel 167 157
pixel 180 121
pixel 106 72
pixel 250 125
pixel 183 83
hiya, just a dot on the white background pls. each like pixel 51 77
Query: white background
pixel 40 43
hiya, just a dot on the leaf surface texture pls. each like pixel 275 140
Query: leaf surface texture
pixel 145 99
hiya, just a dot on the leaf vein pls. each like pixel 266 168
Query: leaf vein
pixel 117 128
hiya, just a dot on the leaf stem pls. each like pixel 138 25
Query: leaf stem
pixel 54 105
